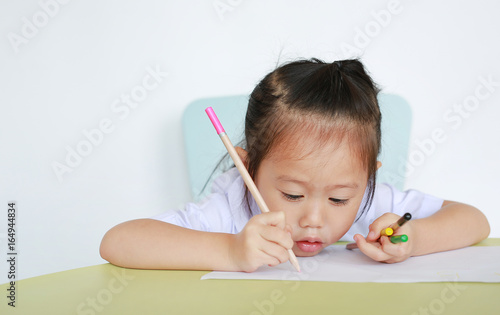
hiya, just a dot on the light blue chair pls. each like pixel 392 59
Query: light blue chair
pixel 204 149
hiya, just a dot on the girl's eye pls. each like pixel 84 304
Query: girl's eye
pixel 292 197
pixel 339 202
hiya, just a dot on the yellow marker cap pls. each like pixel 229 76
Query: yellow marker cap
pixel 387 232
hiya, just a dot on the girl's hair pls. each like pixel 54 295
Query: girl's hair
pixel 334 101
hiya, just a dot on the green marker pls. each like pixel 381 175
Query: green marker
pixel 399 239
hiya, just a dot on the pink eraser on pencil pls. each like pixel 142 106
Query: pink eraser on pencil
pixel 215 121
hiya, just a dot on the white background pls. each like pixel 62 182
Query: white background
pixel 61 78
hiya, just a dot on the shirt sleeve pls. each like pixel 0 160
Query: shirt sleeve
pixel 208 216
pixel 387 198
pixel 223 211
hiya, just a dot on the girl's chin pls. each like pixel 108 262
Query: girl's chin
pixel 300 253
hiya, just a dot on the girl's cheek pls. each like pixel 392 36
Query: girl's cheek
pixel 291 218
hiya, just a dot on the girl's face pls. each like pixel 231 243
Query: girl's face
pixel 319 193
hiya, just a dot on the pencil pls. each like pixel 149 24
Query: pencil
pixel 399 239
pixel 244 173
pixel 390 231
pixel 387 232
pixel 404 218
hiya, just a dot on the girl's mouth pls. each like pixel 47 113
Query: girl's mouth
pixel 310 246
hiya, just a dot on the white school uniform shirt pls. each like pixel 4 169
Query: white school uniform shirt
pixel 225 210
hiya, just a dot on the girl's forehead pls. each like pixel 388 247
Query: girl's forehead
pixel 335 159
pixel 300 136
pixel 299 141
pixel 311 148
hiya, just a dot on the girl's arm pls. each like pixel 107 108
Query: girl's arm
pixel 455 225
pixel 153 244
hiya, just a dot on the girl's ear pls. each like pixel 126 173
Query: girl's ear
pixel 379 164
pixel 243 154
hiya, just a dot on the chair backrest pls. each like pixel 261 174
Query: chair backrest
pixel 204 149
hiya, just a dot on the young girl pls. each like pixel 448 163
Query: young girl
pixel 312 134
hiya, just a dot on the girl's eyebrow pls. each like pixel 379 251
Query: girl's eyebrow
pixel 287 178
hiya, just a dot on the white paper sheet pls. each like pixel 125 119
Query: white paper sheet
pixel 335 263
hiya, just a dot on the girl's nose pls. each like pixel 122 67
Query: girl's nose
pixel 312 215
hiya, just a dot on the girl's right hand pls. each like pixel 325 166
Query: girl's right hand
pixel 263 241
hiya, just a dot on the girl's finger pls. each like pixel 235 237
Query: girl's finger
pixel 276 253
pixel 394 250
pixel 271 218
pixel 380 224
pixel 374 252
pixel 277 236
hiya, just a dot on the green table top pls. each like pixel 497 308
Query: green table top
pixel 107 289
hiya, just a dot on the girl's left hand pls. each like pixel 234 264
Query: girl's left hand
pixel 380 248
